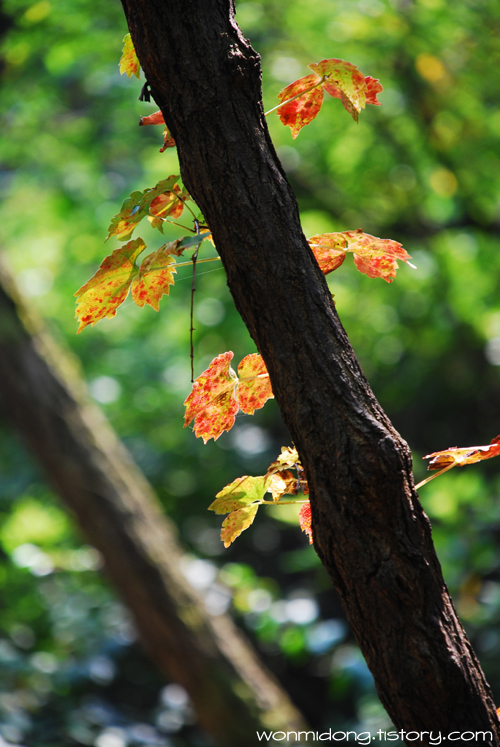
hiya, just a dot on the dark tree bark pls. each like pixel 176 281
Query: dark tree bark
pixel 369 528
pixel 231 690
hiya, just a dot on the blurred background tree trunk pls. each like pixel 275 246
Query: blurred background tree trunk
pixel 43 397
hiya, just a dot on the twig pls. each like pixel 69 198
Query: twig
pixel 436 474
pixel 193 288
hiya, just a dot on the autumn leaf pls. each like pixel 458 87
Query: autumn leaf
pixel 128 62
pixel 156 275
pixel 238 494
pixel 108 288
pixel 169 203
pixel 288 459
pixel 212 403
pixel 301 111
pixel 303 98
pixel 305 520
pixel 152 119
pixel 373 256
pixel 329 250
pixel 237 521
pixel 136 207
pixel 456 456
pixel 344 81
pixel 168 140
pixel 282 483
pixel 254 386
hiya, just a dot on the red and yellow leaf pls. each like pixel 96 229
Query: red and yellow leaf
pixel 238 494
pixel 373 256
pixel 461 456
pixel 237 522
pixel 156 275
pixel 169 203
pixel 168 140
pixel 108 288
pixel 305 520
pixel 301 111
pixel 152 119
pixel 288 459
pixel 136 207
pixel 212 403
pixel 128 62
pixel 329 250
pixel 254 386
pixel 344 81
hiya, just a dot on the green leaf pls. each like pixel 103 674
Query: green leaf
pixel 238 494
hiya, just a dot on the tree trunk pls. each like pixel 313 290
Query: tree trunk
pixel 232 692
pixel 369 528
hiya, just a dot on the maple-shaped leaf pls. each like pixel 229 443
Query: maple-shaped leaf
pixel 152 119
pixel 375 257
pixel 212 403
pixel 344 81
pixel 456 456
pixel 302 110
pixel 108 288
pixel 238 494
pixel 337 77
pixel 136 207
pixel 156 275
pixel 254 386
pixel 128 62
pixel 237 521
pixel 305 520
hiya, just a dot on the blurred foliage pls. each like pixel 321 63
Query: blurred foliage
pixel 422 169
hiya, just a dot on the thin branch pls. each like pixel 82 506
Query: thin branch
pixel 193 288
pixel 436 474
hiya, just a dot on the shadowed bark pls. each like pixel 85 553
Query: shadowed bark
pixel 231 690
pixel 369 528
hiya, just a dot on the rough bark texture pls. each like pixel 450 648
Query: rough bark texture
pixel 369 528
pixel 231 690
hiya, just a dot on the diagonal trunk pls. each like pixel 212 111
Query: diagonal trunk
pixel 232 692
pixel 369 528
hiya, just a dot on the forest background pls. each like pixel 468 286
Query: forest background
pixel 423 169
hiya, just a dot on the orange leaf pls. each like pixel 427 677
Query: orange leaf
pixel 329 250
pixel 254 386
pixel 283 483
pixel 212 403
pixel 301 111
pixel 169 203
pixel 461 456
pixel 305 520
pixel 152 119
pixel 168 140
pixel 108 288
pixel 128 62
pixel 373 256
pixel 156 275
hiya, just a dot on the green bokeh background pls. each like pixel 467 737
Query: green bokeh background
pixel 423 169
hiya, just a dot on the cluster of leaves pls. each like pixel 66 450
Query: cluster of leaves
pixel 219 392
pixel 242 498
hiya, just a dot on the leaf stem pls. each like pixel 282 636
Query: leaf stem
pixel 436 474
pixel 281 503
pixel 194 259
pixel 200 262
pixel 297 95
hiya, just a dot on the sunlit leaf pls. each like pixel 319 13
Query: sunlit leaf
pixel 212 403
pixel 301 111
pixel 288 459
pixel 344 81
pixel 373 256
pixel 108 288
pixel 282 483
pixel 168 140
pixel 238 494
pixel 128 62
pixel 167 204
pixel 459 457
pixel 254 386
pixel 136 207
pixel 237 522
pixel 305 520
pixel 156 275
